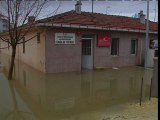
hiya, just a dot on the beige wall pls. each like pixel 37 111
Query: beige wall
pixel 34 52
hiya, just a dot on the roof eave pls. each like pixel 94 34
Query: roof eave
pixel 93 28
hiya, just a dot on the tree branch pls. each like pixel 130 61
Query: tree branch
pixel 4 40
pixel 27 40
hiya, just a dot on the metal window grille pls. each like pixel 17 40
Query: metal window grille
pixel 134 46
pixel 115 46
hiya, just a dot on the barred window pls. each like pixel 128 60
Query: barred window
pixel 115 46
pixel 23 44
pixel 134 46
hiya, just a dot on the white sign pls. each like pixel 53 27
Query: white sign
pixel 64 38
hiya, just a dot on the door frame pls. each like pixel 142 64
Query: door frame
pixel 92 50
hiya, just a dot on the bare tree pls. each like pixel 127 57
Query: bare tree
pixel 17 13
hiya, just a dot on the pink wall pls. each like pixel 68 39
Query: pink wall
pixel 62 58
pixel 67 58
pixel 103 57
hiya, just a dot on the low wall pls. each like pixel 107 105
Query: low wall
pixel 155 79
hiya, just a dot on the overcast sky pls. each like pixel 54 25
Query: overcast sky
pixel 114 7
pixel 123 8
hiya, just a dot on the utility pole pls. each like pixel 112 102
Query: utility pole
pixel 147 35
pixel 92 6
pixel 155 11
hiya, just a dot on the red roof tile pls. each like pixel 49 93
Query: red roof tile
pixel 99 20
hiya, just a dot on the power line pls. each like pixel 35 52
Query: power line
pixel 54 11
pixel 126 5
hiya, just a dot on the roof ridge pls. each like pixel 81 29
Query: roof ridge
pixel 106 14
pixel 87 12
pixel 57 15
pixel 97 19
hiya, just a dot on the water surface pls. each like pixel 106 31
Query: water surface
pixel 33 95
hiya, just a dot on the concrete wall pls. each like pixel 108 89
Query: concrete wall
pixel 62 58
pixel 155 79
pixel 34 52
pixel 150 55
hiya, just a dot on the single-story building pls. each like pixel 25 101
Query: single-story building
pixel 76 40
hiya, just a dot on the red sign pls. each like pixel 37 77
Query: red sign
pixel 104 41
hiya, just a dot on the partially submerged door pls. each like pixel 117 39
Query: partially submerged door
pixel 87 57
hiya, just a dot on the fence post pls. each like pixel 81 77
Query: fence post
pixel 141 91
pixel 150 90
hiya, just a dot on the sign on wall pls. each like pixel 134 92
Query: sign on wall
pixel 64 38
pixel 104 41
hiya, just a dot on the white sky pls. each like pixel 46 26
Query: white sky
pixel 124 8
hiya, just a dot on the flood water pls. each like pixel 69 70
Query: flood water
pixel 33 95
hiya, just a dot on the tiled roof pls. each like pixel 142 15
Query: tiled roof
pixel 99 20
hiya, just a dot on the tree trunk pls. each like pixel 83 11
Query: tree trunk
pixel 12 63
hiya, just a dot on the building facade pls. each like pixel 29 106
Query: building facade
pixel 74 41
pixel 3 23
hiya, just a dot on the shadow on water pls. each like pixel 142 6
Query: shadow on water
pixel 33 95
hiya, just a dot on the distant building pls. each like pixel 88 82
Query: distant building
pixel 3 23
pixel 77 40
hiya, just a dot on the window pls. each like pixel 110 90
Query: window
pixel 86 47
pixel 38 37
pixel 156 53
pixel 7 43
pixel 151 44
pixel 23 44
pixel 24 78
pixel 115 46
pixel 134 46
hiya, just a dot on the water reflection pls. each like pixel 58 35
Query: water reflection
pixel 12 107
pixel 38 96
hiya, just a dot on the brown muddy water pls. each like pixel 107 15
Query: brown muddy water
pixel 33 95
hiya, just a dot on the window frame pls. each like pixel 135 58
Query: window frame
pixel 86 47
pixel 38 37
pixel 135 48
pixel 151 44
pixel 118 44
pixel 24 48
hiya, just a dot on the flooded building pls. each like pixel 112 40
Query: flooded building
pixel 68 95
pixel 75 40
